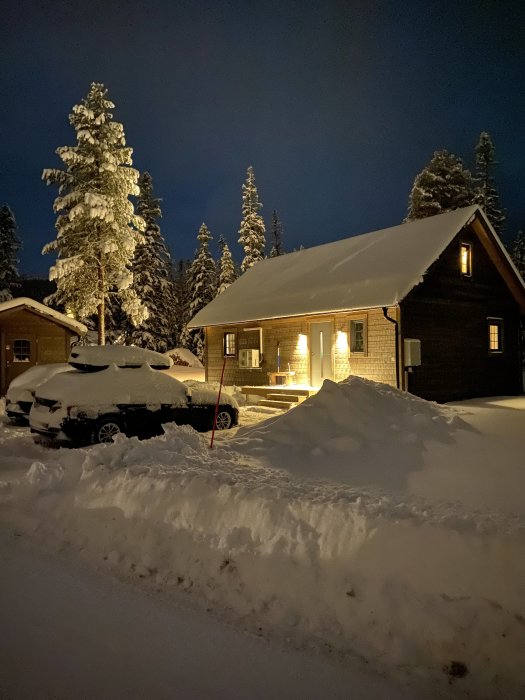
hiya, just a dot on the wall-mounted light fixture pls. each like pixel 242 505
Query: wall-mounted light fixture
pixel 302 344
pixel 341 342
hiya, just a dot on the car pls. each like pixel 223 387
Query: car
pixel 94 403
pixel 21 392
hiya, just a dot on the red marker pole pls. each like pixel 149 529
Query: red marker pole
pixel 217 405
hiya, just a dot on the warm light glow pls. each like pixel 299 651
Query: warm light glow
pixel 465 259
pixel 495 337
pixel 341 342
pixel 302 344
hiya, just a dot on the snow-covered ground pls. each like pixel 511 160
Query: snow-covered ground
pixel 364 521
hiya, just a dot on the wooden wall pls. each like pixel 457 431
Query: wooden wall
pixel 448 312
pixel 378 363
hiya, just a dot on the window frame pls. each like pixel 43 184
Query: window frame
pixel 495 322
pixel 464 246
pixel 20 352
pixel 225 336
pixel 351 336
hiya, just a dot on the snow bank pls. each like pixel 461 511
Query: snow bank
pixel 371 570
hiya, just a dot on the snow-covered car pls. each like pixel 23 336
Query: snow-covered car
pixel 82 407
pixel 21 391
pixel 186 366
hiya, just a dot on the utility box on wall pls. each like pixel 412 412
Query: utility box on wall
pixel 249 358
pixel 412 348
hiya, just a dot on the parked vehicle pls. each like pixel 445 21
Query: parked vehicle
pixel 92 358
pixel 92 405
pixel 21 392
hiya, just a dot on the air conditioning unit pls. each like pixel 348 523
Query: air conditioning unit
pixel 248 358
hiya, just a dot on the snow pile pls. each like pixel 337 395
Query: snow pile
pixel 375 571
pixel 183 354
pixel 354 432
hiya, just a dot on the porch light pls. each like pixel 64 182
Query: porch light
pixel 302 344
pixel 341 342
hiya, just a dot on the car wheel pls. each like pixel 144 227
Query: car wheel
pixel 224 420
pixel 105 430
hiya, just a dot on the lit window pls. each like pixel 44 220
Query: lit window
pixel 465 257
pixel 495 335
pixel 229 344
pixel 22 351
pixel 357 336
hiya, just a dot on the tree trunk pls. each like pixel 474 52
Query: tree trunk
pixel 101 308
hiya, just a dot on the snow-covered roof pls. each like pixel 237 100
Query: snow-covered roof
pixel 368 271
pixel 64 320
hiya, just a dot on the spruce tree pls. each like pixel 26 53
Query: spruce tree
pixel 252 230
pixel 485 193
pixel 181 314
pixel 152 274
pixel 97 228
pixel 517 253
pixel 9 247
pixel 443 185
pixel 276 234
pixel 203 288
pixel 227 274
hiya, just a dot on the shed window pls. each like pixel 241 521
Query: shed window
pixel 357 336
pixel 495 335
pixel 230 347
pixel 465 259
pixel 21 351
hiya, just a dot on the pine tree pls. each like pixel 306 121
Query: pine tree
pixel 226 268
pixel 276 233
pixel 443 185
pixel 485 193
pixel 181 316
pixel 517 253
pixel 152 275
pixel 96 224
pixel 252 230
pixel 9 247
pixel 203 288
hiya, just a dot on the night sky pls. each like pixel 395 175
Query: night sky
pixel 337 105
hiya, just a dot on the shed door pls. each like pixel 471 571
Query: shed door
pixel 321 352
pixel 20 354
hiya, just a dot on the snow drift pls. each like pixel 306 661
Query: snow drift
pixel 363 566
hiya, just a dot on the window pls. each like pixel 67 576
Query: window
pixel 230 348
pixel 495 335
pixel 22 351
pixel 465 259
pixel 357 336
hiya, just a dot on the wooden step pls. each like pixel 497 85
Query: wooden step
pixel 284 405
pixel 265 390
pixel 294 398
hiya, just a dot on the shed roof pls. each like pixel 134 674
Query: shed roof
pixel 367 271
pixel 36 306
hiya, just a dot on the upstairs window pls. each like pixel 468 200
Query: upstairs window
pixel 465 259
pixel 357 337
pixel 495 335
pixel 230 346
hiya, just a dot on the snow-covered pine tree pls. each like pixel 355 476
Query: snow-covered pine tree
pixel 252 230
pixel 152 281
pixel 227 273
pixel 276 235
pixel 517 253
pixel 444 184
pixel 97 228
pixel 202 279
pixel 181 315
pixel 485 193
pixel 9 247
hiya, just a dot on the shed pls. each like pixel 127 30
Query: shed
pixel 32 334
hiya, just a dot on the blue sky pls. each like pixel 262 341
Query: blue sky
pixel 337 105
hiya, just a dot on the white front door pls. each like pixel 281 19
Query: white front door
pixel 321 352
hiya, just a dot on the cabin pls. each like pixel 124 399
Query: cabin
pixel 431 306
pixel 32 334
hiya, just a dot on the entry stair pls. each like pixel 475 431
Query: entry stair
pixel 275 397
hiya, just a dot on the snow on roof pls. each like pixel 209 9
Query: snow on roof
pixel 120 355
pixel 367 271
pixel 64 320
